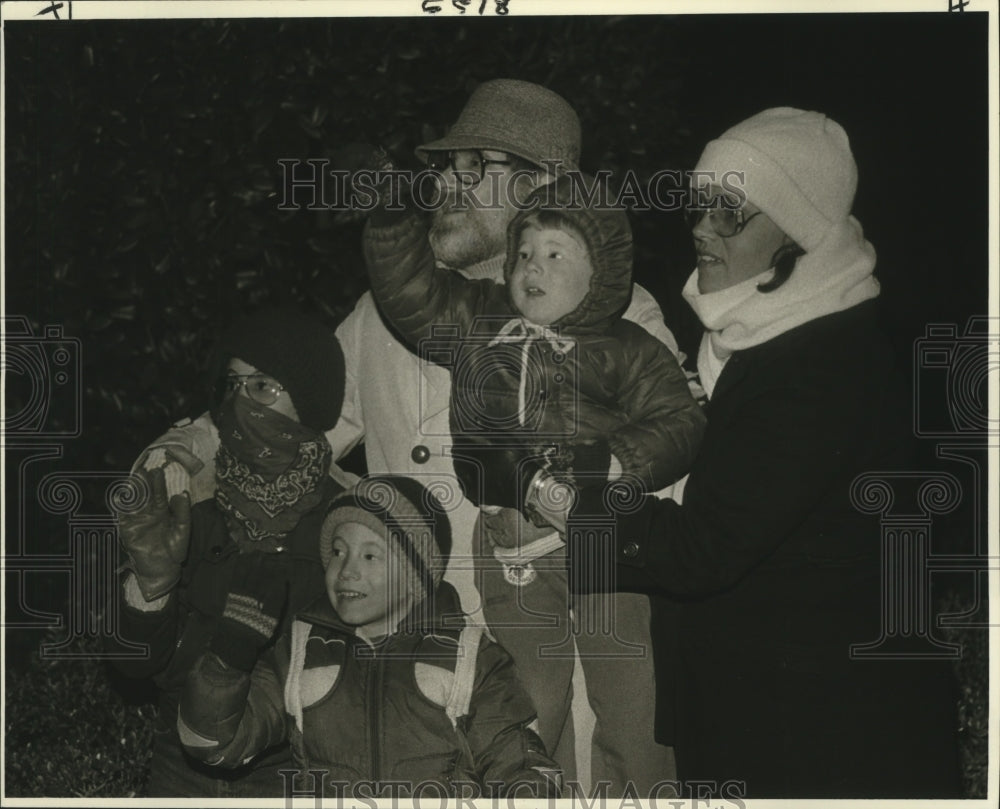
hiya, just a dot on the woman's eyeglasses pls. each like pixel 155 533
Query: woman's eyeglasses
pixel 468 165
pixel 724 221
pixel 259 387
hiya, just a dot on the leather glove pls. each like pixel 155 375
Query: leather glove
pixel 582 464
pixel 496 476
pixel 374 184
pixel 258 592
pixel 156 537
pixel 355 157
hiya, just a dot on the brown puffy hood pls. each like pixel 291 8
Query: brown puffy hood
pixel 609 241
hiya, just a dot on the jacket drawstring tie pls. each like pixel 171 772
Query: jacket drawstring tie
pixel 519 330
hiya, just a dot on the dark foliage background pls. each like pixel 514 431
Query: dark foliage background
pixel 142 187
pixel 142 178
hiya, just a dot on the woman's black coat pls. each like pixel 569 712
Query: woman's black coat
pixel 767 574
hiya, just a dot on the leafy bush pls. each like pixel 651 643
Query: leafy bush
pixel 972 674
pixel 70 734
pixel 143 180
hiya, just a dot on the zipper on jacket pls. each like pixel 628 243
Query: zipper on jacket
pixel 375 703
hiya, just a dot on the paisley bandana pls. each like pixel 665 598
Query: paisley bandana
pixel 269 468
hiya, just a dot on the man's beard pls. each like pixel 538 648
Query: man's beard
pixel 468 237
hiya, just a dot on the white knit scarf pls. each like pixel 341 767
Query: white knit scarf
pixel 836 275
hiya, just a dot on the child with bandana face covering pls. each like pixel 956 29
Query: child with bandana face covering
pixel 197 575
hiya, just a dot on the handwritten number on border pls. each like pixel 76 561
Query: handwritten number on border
pixel 501 7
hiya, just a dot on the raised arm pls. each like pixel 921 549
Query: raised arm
pixel 155 538
pixel 415 294
pixel 232 705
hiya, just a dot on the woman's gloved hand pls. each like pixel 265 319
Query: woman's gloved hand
pixel 550 500
pixel 581 464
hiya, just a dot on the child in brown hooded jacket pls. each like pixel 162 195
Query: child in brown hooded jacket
pixel 546 377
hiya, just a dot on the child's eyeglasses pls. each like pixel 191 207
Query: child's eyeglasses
pixel 468 165
pixel 725 222
pixel 259 387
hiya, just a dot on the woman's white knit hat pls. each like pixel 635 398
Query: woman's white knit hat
pixel 796 166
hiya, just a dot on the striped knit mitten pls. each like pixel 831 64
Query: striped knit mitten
pixel 254 605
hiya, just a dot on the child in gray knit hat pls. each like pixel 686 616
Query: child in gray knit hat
pixel 377 684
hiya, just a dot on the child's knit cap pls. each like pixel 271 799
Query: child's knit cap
pixel 403 511
pixel 797 168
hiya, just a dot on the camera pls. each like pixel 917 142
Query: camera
pixel 42 373
pixel 952 375
pixel 505 381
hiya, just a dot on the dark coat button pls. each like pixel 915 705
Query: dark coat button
pixel 216 550
pixel 420 454
pixel 630 550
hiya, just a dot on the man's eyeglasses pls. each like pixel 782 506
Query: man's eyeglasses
pixel 259 387
pixel 724 221
pixel 468 165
